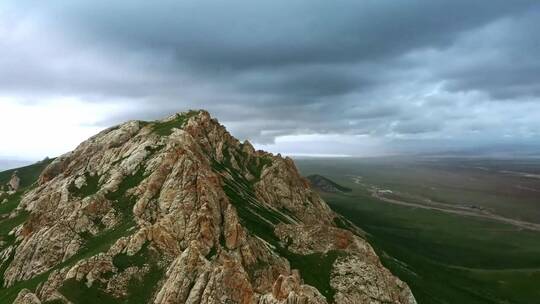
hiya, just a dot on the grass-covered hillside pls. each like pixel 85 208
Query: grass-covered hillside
pixel 444 257
pixel 28 174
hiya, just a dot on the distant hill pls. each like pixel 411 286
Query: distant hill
pixel 28 174
pixel 6 164
pixel 324 184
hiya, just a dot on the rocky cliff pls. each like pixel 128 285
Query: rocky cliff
pixel 179 211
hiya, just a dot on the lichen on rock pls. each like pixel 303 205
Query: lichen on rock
pixel 179 211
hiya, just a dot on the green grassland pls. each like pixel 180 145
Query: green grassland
pixel 445 258
pixel 28 174
pixel 453 181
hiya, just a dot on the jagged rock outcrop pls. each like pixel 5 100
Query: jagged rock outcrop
pixel 179 211
pixel 26 297
pixel 14 182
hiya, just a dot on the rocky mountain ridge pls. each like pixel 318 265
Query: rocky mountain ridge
pixel 179 211
pixel 324 184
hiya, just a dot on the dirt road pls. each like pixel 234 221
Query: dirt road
pixel 460 211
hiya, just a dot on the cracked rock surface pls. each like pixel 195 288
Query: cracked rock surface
pixel 179 211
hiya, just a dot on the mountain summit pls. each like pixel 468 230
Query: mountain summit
pixel 179 211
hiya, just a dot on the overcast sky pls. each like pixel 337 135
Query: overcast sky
pixel 359 77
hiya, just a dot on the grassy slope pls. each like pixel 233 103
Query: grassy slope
pixel 260 220
pixel 28 174
pixel 494 259
pixel 444 258
pixel 317 180
pixel 93 245
pixel 454 181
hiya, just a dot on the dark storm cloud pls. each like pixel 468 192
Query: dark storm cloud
pixel 415 127
pixel 305 81
pixel 501 82
pixel 501 58
pixel 378 68
pixel 247 34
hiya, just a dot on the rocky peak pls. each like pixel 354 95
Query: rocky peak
pixel 179 211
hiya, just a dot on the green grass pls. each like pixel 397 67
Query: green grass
pixel 448 258
pixel 448 238
pixel 153 150
pixel 315 179
pixel 93 245
pixel 123 261
pixel 56 301
pixel 7 224
pixel 140 289
pixel 254 165
pixel 77 292
pixel 166 128
pixel 124 203
pixel 259 220
pixel 315 269
pixel 103 241
pixel 451 181
pixel 27 174
pixel 12 203
pixel 445 258
pixel 90 187
pixel 3 268
pixel 342 222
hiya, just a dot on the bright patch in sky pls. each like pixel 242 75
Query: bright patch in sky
pixel 35 130
pixel 326 145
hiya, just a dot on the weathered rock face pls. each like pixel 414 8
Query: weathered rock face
pixel 179 211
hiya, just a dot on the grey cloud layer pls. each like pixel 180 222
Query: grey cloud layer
pixel 399 70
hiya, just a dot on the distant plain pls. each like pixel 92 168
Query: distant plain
pixel 457 230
